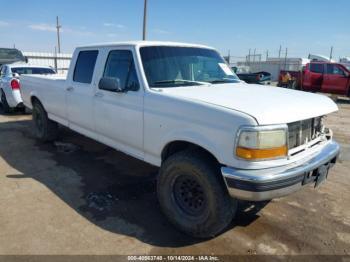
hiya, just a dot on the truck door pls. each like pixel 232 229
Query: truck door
pixel 335 80
pixel 119 115
pixel 313 77
pixel 80 92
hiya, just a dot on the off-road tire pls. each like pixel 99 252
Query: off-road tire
pixel 193 174
pixel 5 106
pixel 45 129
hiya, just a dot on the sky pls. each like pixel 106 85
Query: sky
pixel 302 26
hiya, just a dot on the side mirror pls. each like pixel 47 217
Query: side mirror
pixel 111 84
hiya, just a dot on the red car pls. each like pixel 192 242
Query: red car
pixel 322 77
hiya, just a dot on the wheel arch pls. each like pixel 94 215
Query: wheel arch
pixel 176 146
pixel 34 99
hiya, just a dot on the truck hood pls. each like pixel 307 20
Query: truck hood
pixel 267 104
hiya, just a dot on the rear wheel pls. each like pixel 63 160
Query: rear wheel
pixel 193 195
pixel 45 129
pixel 5 106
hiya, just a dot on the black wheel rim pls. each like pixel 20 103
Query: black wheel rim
pixel 189 195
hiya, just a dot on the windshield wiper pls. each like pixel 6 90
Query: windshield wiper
pixel 224 80
pixel 179 81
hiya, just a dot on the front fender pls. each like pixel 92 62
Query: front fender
pixel 193 138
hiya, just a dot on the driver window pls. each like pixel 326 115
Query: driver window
pixel 338 71
pixel 120 64
pixel 334 70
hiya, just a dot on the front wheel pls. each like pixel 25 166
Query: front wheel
pixel 45 129
pixel 193 195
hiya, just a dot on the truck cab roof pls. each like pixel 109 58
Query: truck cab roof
pixel 143 43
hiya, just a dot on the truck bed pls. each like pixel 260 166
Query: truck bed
pixel 48 87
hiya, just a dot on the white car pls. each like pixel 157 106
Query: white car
pixel 10 84
pixel 181 108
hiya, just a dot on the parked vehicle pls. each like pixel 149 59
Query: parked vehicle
pixel 290 79
pixel 10 84
pixel 11 55
pixel 261 78
pixel 333 78
pixel 180 107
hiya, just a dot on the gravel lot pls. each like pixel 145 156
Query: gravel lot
pixel 85 198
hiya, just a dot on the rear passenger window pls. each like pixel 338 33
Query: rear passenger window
pixel 84 67
pixel 316 68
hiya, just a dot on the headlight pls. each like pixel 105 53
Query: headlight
pixel 260 144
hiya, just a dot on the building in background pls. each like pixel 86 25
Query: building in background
pixel 274 65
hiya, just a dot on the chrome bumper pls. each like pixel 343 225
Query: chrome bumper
pixel 264 184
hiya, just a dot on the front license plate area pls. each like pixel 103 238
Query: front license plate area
pixel 317 176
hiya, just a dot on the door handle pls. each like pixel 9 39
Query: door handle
pixel 70 88
pixel 98 94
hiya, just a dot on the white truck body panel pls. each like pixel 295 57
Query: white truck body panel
pixel 260 101
pixel 142 123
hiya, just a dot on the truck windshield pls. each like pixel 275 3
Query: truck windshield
pixel 32 70
pixel 167 66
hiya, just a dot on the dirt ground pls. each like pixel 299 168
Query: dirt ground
pixel 90 199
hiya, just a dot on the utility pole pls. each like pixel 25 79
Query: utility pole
pixel 254 55
pixel 331 54
pixel 55 60
pixel 285 59
pixel 58 27
pixel 279 52
pixel 279 58
pixel 267 54
pixel 248 58
pixel 144 20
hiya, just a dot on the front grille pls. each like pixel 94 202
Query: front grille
pixel 302 132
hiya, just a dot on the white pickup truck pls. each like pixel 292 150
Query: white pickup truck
pixel 179 106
